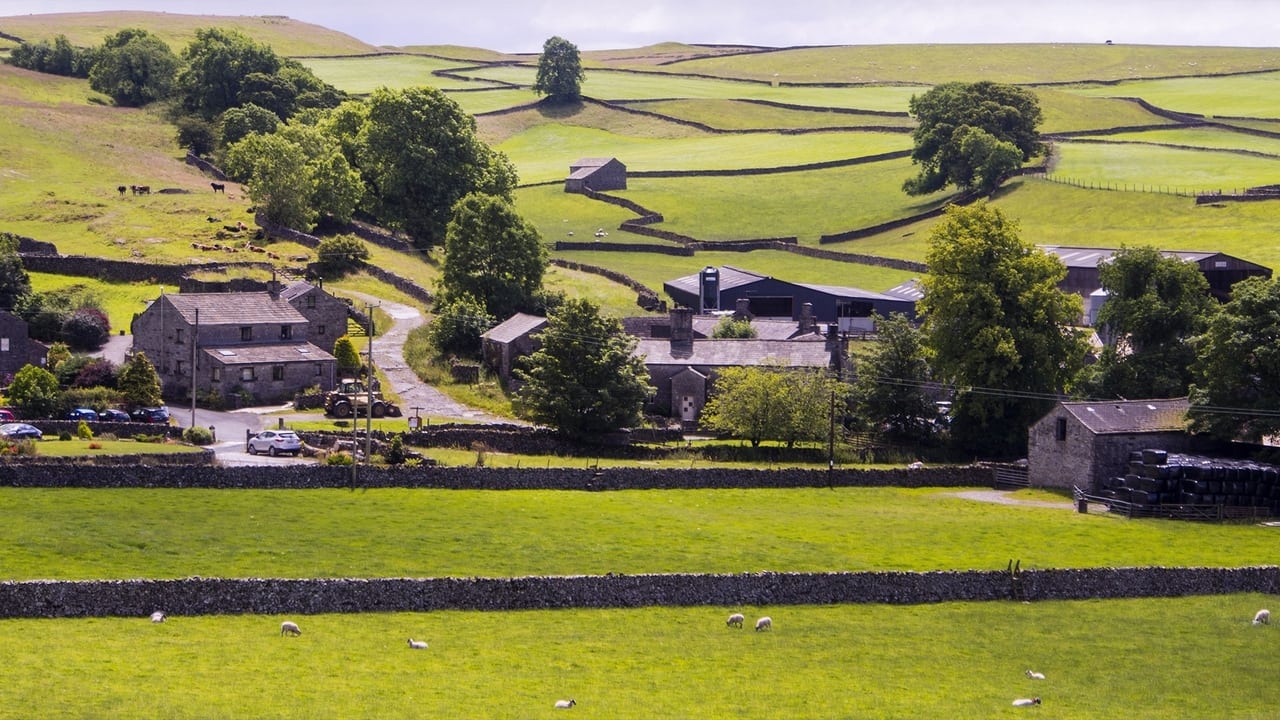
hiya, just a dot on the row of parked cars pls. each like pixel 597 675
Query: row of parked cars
pixel 10 429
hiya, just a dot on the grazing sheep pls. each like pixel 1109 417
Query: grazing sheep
pixel 1026 702
pixel 566 704
pixel 417 644
pixel 1035 675
pixel 735 620
pixel 289 627
pixel 157 617
pixel 764 623
pixel 1262 618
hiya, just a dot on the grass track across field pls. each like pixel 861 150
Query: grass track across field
pixel 1144 659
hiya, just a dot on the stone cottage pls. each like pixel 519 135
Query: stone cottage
pixel 253 346
pixel 596 174
pixel 17 348
pixel 1077 444
pixel 326 315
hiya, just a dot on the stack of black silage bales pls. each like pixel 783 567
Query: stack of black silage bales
pixel 1157 477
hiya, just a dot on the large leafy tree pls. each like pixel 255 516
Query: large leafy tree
pixel 57 58
pixel 492 254
pixel 15 283
pixel 458 325
pixel 138 383
pixel 1237 370
pixel 890 387
pixel 971 134
pixel 997 327
pixel 134 67
pixel 34 391
pixel 216 64
pixel 560 74
pixel 772 403
pixel 419 154
pixel 1156 305
pixel 584 380
pixel 295 175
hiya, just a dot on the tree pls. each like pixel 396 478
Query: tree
pixel 134 67
pixel 730 328
pixel 216 63
pixel 196 135
pixel 560 74
pixel 1155 307
pixel 997 327
pixel 346 355
pixel 237 122
pixel 57 58
pixel 458 325
pixel 584 379
pixel 772 403
pixel 419 154
pixel 971 134
pixel 15 284
pixel 34 392
pixel 890 383
pixel 86 329
pixel 340 254
pixel 1237 367
pixel 138 383
pixel 492 254
pixel 276 172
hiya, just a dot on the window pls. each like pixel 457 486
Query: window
pixel 320 329
pixel 319 369
pixel 277 372
pixel 4 344
pixel 177 336
pixel 286 332
pixel 1060 429
pixel 177 368
pixel 311 302
pixel 246 333
pixel 247 374
pixel 216 374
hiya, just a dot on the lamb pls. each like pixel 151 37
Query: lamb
pixel 417 644
pixel 1026 702
pixel 735 620
pixel 289 627
pixel 1035 675
pixel 566 704
pixel 764 623
pixel 157 617
pixel 1262 618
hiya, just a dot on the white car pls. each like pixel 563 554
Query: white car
pixel 275 442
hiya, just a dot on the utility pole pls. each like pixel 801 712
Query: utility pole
pixel 831 435
pixel 195 334
pixel 368 408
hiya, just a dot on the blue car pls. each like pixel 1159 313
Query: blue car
pixel 151 415
pixel 20 431
pixel 83 414
pixel 113 415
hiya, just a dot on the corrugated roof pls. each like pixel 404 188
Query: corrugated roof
pixel 1131 416
pixel 241 308
pixel 735 353
pixel 1086 257
pixel 514 327
pixel 262 354
pixel 730 277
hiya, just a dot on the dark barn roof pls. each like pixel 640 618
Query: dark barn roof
pixel 1130 416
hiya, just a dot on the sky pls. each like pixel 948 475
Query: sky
pixel 523 25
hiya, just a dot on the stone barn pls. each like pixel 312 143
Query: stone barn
pixel 597 175
pixel 508 341
pixel 17 348
pixel 1078 444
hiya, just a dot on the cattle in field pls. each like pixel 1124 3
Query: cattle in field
pixel 120 189
pixel 219 187
pixel 140 189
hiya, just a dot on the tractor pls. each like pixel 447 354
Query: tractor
pixel 353 398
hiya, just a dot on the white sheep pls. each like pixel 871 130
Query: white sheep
pixel 417 644
pixel 566 704
pixel 157 617
pixel 1026 702
pixel 289 627
pixel 764 623
pixel 1262 618
pixel 735 620
pixel 1035 675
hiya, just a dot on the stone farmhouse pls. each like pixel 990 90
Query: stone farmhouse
pixel 596 175
pixel 1079 444
pixel 252 345
pixel 17 348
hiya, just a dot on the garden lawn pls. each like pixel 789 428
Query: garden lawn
pixel 77 534
pixel 77 448
pixel 1162 659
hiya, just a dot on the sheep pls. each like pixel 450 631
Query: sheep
pixel 764 623
pixel 1026 702
pixel 289 627
pixel 157 617
pixel 417 644
pixel 1262 618
pixel 735 620
pixel 566 704
pixel 1035 675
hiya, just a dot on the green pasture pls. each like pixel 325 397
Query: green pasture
pixel 118 300
pixel 613 299
pixel 1253 96
pixel 77 448
pixel 497 128
pixel 559 215
pixel 1069 112
pixel 476 102
pixel 1202 138
pixel 1006 62
pixel 75 534
pixel 742 115
pixel 1160 659
pixel 544 153
pixel 1186 170
pixel 363 75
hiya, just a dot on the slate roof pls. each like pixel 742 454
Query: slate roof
pixel 514 327
pixel 241 308
pixel 298 288
pixel 1130 416
pixel 735 353
pixel 766 328
pixel 264 354
pixel 586 166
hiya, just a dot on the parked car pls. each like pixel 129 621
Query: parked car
pixel 20 431
pixel 7 416
pixel 82 413
pixel 151 415
pixel 275 442
pixel 114 415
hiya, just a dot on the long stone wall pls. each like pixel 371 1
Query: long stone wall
pixel 212 596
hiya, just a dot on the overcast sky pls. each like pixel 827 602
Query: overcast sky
pixel 522 25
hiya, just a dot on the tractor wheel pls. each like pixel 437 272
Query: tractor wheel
pixel 342 410
pixel 379 410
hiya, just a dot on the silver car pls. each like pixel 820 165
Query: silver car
pixel 275 442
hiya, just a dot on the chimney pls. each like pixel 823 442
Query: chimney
pixel 807 323
pixel 742 311
pixel 682 325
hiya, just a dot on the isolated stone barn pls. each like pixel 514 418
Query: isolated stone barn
pixel 508 341
pixel 596 174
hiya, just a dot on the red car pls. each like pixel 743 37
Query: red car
pixel 7 416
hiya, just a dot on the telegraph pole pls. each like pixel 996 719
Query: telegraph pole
pixel 368 408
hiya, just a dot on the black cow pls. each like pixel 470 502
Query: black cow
pixel 219 187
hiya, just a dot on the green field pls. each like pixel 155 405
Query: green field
pixel 363 75
pixel 1252 96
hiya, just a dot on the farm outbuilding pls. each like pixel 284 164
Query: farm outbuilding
pixel 1078 444
pixel 16 346
pixel 506 342
pixel 1221 270
pixel 596 174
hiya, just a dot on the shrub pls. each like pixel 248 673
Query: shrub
pixel 87 329
pixel 142 438
pixel 197 435
pixel 336 256
pixel 95 446
pixel 64 435
pixel 340 458
pixel 394 454
pixel 730 329
pixel 83 431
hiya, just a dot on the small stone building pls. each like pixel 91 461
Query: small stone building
pixel 17 348
pixel 1078 444
pixel 596 174
pixel 511 339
